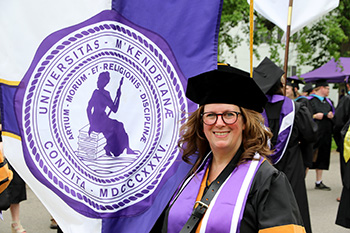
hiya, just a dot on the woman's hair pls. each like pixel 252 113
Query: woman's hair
pixel 317 89
pixel 192 139
pixel 276 89
pixel 255 137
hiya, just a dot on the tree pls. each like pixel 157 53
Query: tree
pixel 329 37
pixel 233 13
pixel 316 44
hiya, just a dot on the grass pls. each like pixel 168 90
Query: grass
pixel 334 145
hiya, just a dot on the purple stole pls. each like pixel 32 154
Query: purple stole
pixel 286 125
pixel 328 101
pixel 226 208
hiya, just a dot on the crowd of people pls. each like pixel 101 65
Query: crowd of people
pixel 253 141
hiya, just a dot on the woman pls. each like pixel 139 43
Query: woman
pixel 225 135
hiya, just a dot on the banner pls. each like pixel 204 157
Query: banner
pixel 92 98
pixel 303 13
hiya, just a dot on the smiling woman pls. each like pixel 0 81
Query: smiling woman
pixel 224 139
pixel 232 186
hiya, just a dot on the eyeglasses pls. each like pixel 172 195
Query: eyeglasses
pixel 229 117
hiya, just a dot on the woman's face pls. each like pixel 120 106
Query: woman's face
pixel 221 136
pixel 324 91
pixel 289 92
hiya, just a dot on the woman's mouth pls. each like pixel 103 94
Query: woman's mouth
pixel 220 133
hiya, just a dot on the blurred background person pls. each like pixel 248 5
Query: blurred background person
pixel 16 193
pixel 307 89
pixel 322 113
pixel 292 92
pixel 341 137
pixel 291 123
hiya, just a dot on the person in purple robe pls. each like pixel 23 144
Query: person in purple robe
pixel 99 108
pixel 232 186
pixel 292 126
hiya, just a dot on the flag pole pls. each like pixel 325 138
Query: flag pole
pixel 251 33
pixel 286 53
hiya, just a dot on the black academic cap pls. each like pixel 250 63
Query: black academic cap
pixel 308 87
pixel 227 85
pixel 267 74
pixel 293 82
pixel 321 83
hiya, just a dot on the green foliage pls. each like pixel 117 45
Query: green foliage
pixel 233 13
pixel 327 38
pixel 315 44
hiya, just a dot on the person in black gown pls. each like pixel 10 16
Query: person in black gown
pixel 323 113
pixel 341 126
pixel 291 124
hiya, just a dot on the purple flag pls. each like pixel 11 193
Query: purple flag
pixel 95 119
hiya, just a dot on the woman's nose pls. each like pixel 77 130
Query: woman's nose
pixel 220 121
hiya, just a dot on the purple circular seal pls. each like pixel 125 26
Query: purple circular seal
pixel 101 114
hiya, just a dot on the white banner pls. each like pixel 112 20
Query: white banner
pixel 24 25
pixel 304 11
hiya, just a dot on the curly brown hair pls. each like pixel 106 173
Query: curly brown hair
pixel 194 143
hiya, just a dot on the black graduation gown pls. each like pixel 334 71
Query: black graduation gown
pixel 341 116
pixel 306 147
pixel 292 163
pixel 343 215
pixel 324 134
pixel 270 205
pixel 305 101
